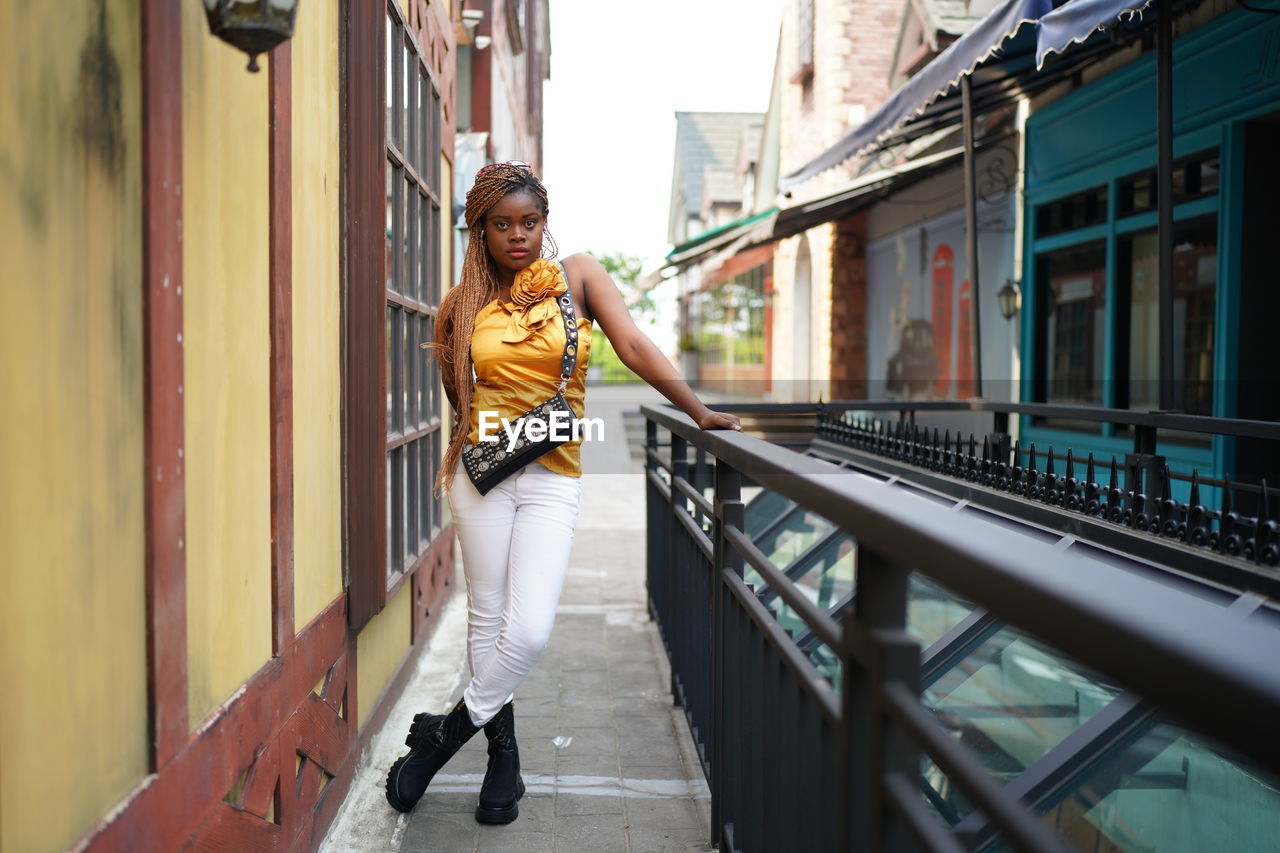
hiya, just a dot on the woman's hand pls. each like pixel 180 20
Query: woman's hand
pixel 719 420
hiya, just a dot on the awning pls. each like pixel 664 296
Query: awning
pixel 1011 42
pixel 775 224
pixel 709 241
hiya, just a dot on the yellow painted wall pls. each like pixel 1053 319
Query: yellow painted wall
pixel 227 353
pixel 317 378
pixel 73 711
pixel 380 648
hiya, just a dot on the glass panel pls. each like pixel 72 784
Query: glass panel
pixel 413 371
pixel 1195 280
pixel 424 477
pixel 412 132
pixel 395 378
pixel 434 154
pixel 391 521
pixel 932 611
pixel 1009 702
pixel 1173 792
pixel 764 509
pixel 391 66
pixel 1067 214
pixel 402 379
pixel 389 255
pixel 412 233
pixel 422 120
pixel 389 349
pixel 432 379
pixel 1194 177
pixel 396 238
pixel 410 540
pixel 428 247
pixel 1072 303
pixel 395 544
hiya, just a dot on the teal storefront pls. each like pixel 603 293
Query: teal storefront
pixel 1089 320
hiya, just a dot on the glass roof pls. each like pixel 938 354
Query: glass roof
pixel 1029 713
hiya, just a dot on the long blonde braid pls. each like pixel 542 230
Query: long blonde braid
pixel 456 319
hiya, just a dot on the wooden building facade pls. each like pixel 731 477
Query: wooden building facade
pixel 219 543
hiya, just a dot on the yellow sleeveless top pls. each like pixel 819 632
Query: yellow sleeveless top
pixel 516 349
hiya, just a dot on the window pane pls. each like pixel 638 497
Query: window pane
pixel 394 81
pixel 396 378
pixel 412 132
pixel 431 255
pixel 1174 792
pixel 1072 304
pixel 426 484
pixel 389 255
pixel 397 232
pixel 1195 279
pixel 406 389
pixel 405 71
pixel 411 501
pixel 412 233
pixel 431 371
pixel 395 508
pixel 389 349
pixel 1009 702
pixel 1067 214
pixel 391 522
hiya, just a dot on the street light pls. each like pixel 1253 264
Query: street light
pixel 1010 297
pixel 254 26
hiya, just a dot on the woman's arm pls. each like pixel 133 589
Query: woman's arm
pixel 637 351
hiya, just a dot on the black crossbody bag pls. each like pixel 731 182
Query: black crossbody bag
pixel 488 463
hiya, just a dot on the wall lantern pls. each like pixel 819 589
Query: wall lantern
pixel 1010 297
pixel 254 26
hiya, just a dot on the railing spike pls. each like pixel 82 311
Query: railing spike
pixel 1048 462
pixel 1071 466
pixel 1115 478
pixel 1264 507
pixel 1195 487
pixel 1089 473
pixel 1164 485
pixel 1031 457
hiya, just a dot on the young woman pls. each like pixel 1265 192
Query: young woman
pixel 516 538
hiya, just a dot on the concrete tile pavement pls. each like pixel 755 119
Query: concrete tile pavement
pixel 606 757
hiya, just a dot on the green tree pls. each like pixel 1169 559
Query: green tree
pixel 625 270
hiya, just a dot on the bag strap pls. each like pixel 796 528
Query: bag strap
pixel 570 357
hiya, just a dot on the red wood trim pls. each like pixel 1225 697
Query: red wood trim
pixel 175 806
pixel 281 320
pixel 166 563
pixel 364 379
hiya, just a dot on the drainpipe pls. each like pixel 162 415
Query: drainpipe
pixel 971 227
pixel 1164 193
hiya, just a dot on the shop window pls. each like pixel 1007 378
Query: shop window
pixel 1072 301
pixel 1194 177
pixel 1068 214
pixel 1195 280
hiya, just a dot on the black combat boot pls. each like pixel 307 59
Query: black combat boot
pixel 503 787
pixel 432 741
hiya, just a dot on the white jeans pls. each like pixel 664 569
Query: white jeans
pixel 515 552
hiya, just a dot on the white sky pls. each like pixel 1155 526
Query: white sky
pixel 619 72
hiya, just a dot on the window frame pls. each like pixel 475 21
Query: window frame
pixel 389 303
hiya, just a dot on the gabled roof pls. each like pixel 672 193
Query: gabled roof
pixel 703 140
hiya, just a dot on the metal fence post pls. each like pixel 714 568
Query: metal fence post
pixel 679 470
pixel 729 511
pixel 877 650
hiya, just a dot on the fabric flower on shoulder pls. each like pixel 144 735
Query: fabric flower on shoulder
pixel 533 299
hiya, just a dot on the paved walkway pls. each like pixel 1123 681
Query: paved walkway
pixel 607 759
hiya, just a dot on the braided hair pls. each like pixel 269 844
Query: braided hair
pixel 455 321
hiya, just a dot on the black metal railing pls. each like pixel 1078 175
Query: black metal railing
pixel 795 763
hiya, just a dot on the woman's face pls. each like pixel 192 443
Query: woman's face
pixel 513 230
